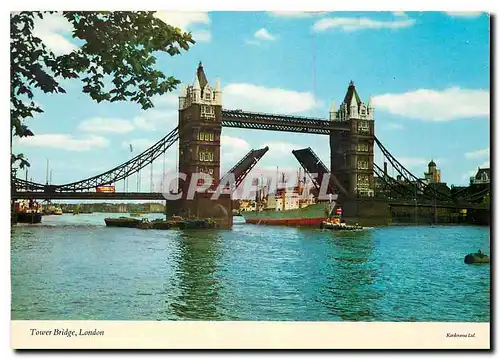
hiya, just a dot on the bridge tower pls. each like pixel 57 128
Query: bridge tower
pixel 200 114
pixel 352 152
pixel 200 111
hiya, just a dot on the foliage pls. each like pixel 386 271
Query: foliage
pixel 118 44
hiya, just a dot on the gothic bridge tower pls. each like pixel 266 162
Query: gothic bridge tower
pixel 200 111
pixel 352 152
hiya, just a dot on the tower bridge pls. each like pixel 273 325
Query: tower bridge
pixel 352 174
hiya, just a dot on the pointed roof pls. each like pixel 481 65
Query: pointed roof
pixel 196 85
pixel 432 164
pixel 351 92
pixel 354 103
pixel 201 76
pixel 332 107
pixel 480 171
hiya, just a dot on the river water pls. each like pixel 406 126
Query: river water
pixel 75 268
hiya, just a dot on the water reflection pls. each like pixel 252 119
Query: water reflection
pixel 198 287
pixel 348 292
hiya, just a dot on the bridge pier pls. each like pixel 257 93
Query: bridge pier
pixel 203 207
pixel 367 212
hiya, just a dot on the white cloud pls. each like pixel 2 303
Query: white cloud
pixel 104 124
pixel 138 144
pixel 152 120
pixel 264 34
pixel 234 143
pixel 171 99
pixel 297 14
pixel 281 148
pixel 51 29
pixel 202 36
pixel 232 150
pixel 256 98
pixel 188 21
pixel 485 152
pixel 446 105
pixel 473 172
pixel 361 23
pixel 65 142
pixel 464 14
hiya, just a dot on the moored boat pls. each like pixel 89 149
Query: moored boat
pixel 161 224
pixel 28 212
pixel 57 212
pixel 122 222
pixel 29 217
pixel 476 258
pixel 197 224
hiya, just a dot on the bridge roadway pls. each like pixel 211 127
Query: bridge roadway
pixel 39 195
pixel 89 195
pixel 440 205
pixel 282 123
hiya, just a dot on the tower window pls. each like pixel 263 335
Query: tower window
pixel 206 156
pixel 363 165
pixel 362 147
pixel 363 126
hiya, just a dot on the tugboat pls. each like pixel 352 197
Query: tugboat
pixel 335 223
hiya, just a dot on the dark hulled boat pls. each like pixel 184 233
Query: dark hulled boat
pixel 476 258
pixel 27 212
pixel 122 222
pixel 29 217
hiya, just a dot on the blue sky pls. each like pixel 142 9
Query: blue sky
pixel 428 74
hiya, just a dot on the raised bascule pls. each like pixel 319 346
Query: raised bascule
pixel 353 175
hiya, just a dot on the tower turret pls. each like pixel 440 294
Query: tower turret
pixel 371 109
pixel 333 112
pixel 218 93
pixel 353 107
pixel 196 91
pixel 182 96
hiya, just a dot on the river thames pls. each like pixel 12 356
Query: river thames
pixel 75 268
